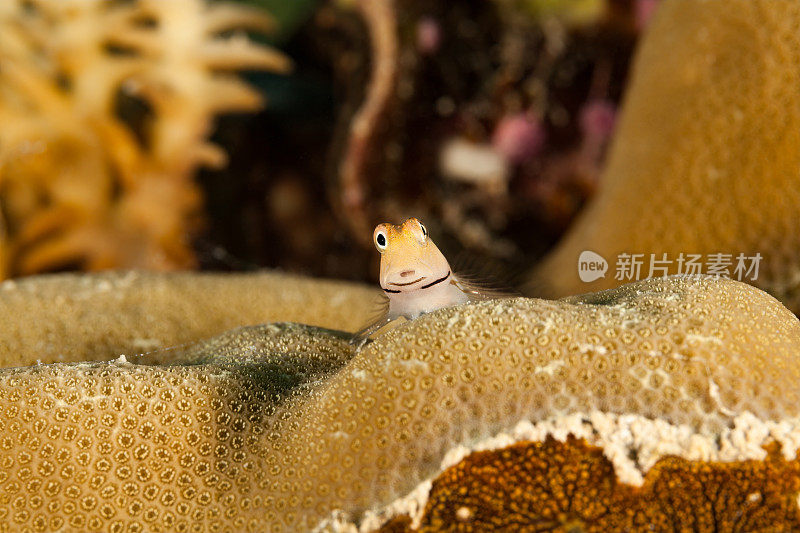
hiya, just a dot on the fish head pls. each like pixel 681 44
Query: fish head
pixel 409 258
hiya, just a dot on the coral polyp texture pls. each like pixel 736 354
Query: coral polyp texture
pixel 105 110
pixel 705 159
pixel 120 447
pixel 286 427
pixel 72 318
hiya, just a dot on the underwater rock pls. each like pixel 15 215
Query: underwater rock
pixel 67 317
pixel 706 155
pixel 280 427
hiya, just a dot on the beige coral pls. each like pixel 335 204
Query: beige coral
pixel 77 318
pixel 80 184
pixel 121 447
pixel 706 157
pixel 254 444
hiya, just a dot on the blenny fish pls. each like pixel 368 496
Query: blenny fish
pixel 416 277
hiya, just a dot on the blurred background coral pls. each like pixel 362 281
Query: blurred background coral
pixel 264 133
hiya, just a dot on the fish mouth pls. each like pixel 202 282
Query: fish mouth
pixel 405 284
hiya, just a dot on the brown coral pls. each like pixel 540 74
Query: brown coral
pixel 366 125
pixel 255 444
pixel 705 159
pixel 81 184
pixel 570 486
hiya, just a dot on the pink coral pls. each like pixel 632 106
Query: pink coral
pixel 429 35
pixel 519 138
pixel 643 12
pixel 597 120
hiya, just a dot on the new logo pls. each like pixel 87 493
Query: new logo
pixel 591 266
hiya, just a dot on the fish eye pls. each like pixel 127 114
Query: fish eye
pixel 380 241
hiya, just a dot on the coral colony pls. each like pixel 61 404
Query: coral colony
pixel 284 427
pixel 658 180
pixel 81 185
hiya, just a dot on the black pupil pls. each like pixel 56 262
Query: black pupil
pixel 381 240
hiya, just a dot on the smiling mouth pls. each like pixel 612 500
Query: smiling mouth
pixel 404 284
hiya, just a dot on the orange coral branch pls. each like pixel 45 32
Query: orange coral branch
pixel 78 184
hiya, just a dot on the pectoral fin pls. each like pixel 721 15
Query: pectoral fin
pixel 479 290
pixel 380 319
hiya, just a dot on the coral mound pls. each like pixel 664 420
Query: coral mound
pixel 66 317
pixel 706 156
pixel 276 427
pixel 123 447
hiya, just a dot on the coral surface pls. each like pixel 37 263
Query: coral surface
pixel 706 155
pixel 121 447
pixel 568 486
pixel 83 318
pixel 105 110
pixel 276 427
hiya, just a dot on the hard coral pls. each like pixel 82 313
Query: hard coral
pixel 81 182
pixel 689 351
pixel 69 317
pixel 707 152
pixel 120 447
pixel 274 428
pixel 570 486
